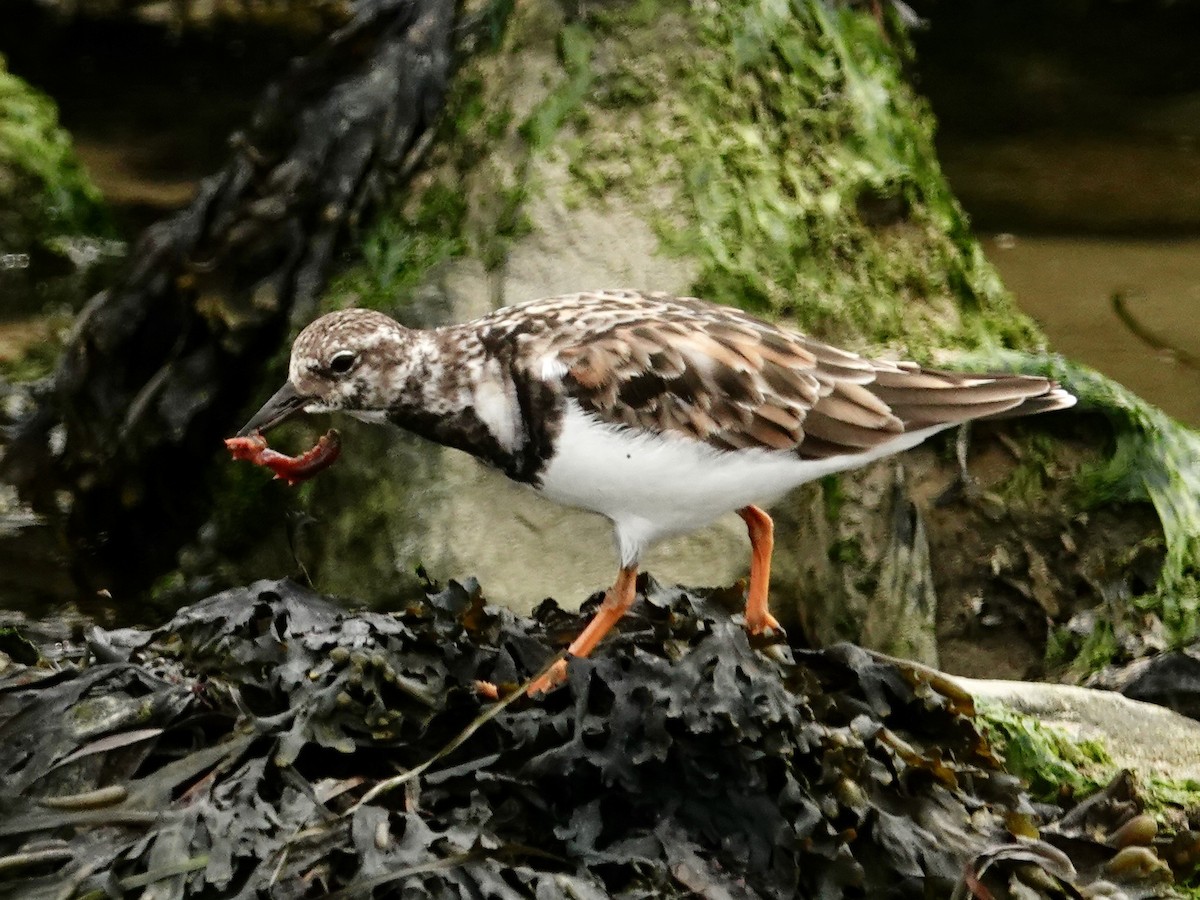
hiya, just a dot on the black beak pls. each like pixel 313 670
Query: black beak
pixel 286 403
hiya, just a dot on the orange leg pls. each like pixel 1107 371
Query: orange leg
pixel 616 603
pixel 762 542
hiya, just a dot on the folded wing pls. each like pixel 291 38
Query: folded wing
pixel 723 377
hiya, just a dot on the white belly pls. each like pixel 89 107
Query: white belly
pixel 653 487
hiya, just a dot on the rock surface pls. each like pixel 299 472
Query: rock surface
pixel 1142 737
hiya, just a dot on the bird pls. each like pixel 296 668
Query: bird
pixel 659 412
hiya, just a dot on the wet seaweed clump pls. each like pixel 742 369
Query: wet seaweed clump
pixel 267 743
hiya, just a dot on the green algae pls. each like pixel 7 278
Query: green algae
pixel 565 103
pixel 1157 460
pixel 1035 471
pixel 1066 652
pixel 833 495
pixel 37 150
pixel 399 250
pixel 469 200
pixel 1047 759
pixel 1058 767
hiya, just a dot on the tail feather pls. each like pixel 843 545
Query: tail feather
pixel 925 414
pixel 924 397
pixel 1054 399
pixel 975 391
pixel 848 420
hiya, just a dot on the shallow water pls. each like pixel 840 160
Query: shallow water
pixel 1067 284
pixel 1076 128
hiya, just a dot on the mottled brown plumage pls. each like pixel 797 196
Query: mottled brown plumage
pixel 679 365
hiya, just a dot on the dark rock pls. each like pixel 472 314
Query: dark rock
pixel 1170 679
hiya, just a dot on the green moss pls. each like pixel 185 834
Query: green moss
pixel 1059 767
pixel 1080 656
pixel 34 146
pixel 635 15
pixel 396 256
pixel 1046 758
pixel 846 551
pixel 1154 459
pixel 806 169
pixel 471 201
pixel 834 495
pixel 399 250
pixel 1164 795
pixel 1028 482
pixel 565 101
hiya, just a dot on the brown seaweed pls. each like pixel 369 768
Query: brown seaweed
pixel 242 749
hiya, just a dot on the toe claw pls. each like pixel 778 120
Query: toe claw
pixel 768 625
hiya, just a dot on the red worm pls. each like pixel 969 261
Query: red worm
pixel 292 469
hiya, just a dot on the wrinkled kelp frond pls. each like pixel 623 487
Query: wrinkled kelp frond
pixel 231 751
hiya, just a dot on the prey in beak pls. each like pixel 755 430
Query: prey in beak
pixel 286 403
pixel 250 445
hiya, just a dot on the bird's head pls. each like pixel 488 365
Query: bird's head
pixel 348 360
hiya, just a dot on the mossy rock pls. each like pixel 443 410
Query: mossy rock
pixel 55 233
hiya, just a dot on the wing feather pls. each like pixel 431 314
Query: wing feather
pixel 678 365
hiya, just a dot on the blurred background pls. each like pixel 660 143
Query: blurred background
pixel 1070 132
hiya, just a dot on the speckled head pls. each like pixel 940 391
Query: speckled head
pixel 352 360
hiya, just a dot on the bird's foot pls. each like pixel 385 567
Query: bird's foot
pixel 763 624
pixel 549 680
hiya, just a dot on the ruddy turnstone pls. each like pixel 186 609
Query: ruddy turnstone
pixel 659 412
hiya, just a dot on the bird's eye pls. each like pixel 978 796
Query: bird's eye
pixel 342 361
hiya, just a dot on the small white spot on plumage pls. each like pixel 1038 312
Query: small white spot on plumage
pixel 552 368
pixel 496 407
pixel 374 416
pixel 372 339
